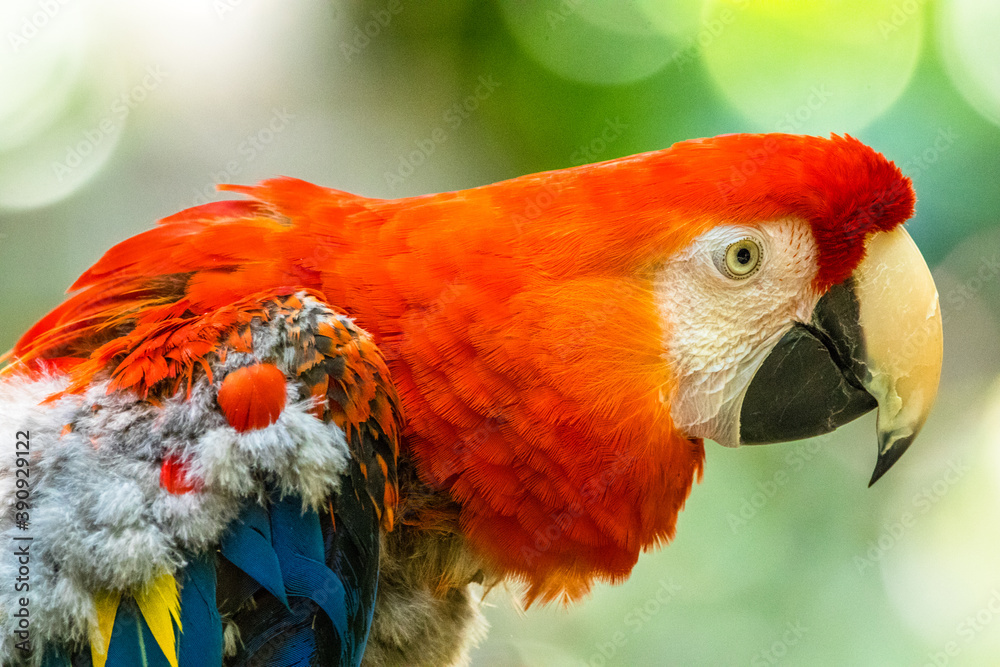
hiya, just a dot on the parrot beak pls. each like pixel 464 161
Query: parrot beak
pixel 873 341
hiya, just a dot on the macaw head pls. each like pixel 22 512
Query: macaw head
pixel 789 322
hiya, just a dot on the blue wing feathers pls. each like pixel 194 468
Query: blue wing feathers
pixel 248 546
pixel 297 649
pixel 294 530
pixel 200 640
pixel 298 541
pixel 329 576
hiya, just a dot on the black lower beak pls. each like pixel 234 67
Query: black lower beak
pixel 808 385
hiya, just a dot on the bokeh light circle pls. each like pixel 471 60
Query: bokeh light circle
pixel 60 113
pixel 643 17
pixel 968 35
pixel 939 563
pixel 812 67
pixel 607 45
pixel 678 19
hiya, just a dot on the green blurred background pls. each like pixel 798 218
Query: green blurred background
pixel 115 113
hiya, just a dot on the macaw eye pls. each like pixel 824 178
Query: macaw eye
pixel 741 259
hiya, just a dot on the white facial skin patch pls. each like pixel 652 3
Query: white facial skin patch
pixel 726 300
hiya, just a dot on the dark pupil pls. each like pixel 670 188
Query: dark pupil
pixel 743 256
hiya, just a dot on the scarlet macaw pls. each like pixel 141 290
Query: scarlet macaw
pixel 295 429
